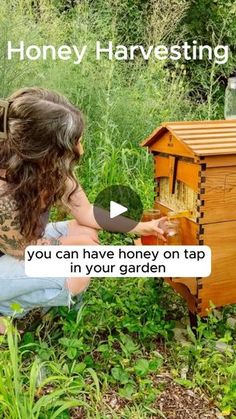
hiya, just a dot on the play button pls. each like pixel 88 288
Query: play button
pixel 118 209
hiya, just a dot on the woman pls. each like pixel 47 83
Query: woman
pixel 39 147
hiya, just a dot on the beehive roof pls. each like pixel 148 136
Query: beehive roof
pixel 203 138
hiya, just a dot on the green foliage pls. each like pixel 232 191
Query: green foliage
pixel 211 23
pixel 114 344
pixel 20 386
pixel 86 352
pixel 207 365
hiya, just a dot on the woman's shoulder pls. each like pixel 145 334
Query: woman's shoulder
pixel 11 240
pixel 7 202
pixel 9 221
pixel 7 205
pixel 2 175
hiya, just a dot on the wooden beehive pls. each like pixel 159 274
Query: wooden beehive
pixel 195 170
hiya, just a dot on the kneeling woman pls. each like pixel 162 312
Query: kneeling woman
pixel 39 147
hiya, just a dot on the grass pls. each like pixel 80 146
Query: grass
pixel 114 348
pixel 105 360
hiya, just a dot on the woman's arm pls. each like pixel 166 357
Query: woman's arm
pixel 83 211
pixel 79 206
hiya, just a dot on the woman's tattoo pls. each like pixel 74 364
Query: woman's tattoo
pixel 11 241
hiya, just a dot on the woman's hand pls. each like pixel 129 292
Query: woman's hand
pixel 150 228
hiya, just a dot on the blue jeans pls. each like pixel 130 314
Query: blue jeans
pixel 29 293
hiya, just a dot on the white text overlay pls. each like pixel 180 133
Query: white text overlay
pixel 118 261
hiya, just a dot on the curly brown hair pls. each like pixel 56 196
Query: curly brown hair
pixel 39 155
